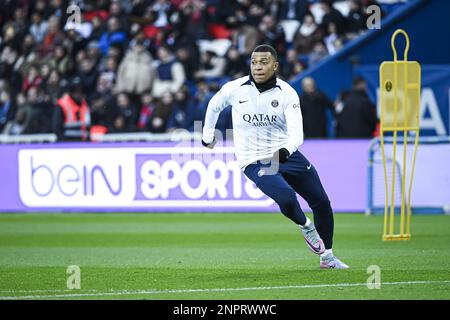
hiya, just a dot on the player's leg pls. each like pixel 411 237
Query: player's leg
pixel 275 186
pixel 304 179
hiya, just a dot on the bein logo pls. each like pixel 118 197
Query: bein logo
pixel 74 177
pixel 69 180
pixel 132 177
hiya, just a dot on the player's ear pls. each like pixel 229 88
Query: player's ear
pixel 275 66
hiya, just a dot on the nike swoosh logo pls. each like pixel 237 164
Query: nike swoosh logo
pixel 308 167
pixel 242 101
pixel 314 248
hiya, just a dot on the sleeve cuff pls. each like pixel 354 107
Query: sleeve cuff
pixel 291 149
pixel 208 135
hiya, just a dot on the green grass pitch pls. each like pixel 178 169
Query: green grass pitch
pixel 215 256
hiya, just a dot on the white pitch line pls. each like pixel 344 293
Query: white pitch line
pixel 149 292
pixel 43 290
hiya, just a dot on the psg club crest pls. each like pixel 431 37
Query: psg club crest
pixel 274 103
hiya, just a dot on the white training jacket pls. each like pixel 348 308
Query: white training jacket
pixel 263 122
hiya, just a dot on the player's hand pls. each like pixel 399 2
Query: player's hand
pixel 209 145
pixel 282 155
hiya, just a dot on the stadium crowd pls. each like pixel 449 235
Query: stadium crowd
pixel 142 65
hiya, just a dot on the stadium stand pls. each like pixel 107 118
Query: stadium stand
pixel 150 66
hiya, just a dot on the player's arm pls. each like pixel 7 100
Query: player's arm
pixel 217 103
pixel 294 123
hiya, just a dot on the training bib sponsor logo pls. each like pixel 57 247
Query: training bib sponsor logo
pixel 260 119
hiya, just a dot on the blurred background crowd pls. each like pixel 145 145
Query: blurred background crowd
pixel 153 65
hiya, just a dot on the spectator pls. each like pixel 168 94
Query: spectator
pixel 8 59
pixel 124 114
pixel 188 57
pixel 38 110
pixel 244 38
pixel 294 10
pixel 9 35
pixel 191 24
pixel 38 28
pixel 112 36
pixel 18 124
pixel 19 24
pixel 27 55
pixel 162 10
pixel 105 84
pixel 137 10
pixel 53 37
pixel 102 112
pixel 45 72
pixel 307 35
pixel 61 61
pixel 146 111
pixel 358 117
pixel 170 74
pixel 319 52
pixel 116 11
pixel 356 19
pixel 183 112
pixel 8 8
pixel 203 95
pixel 93 52
pixel 273 34
pixel 71 117
pixel 9 55
pixel 314 104
pixel 52 86
pixel 212 66
pixel 88 75
pixel 115 52
pixel 43 9
pixel 161 114
pixel 339 44
pixel 98 28
pixel 7 107
pixel 292 67
pixel 32 79
pixel 236 65
pixel 108 64
pixel 57 7
pixel 119 125
pixel 225 13
pixel 74 41
pixel 332 39
pixel 106 79
pixel 332 15
pixel 255 13
pixel 136 73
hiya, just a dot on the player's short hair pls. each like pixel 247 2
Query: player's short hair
pixel 267 48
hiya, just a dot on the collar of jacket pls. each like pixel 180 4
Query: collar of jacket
pixel 269 84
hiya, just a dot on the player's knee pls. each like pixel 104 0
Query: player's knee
pixel 287 201
pixel 322 206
